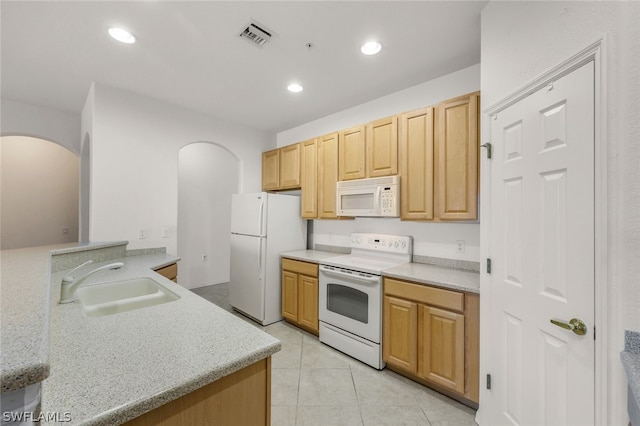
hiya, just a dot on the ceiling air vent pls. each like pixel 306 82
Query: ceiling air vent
pixel 256 34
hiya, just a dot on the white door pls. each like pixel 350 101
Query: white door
pixel 542 252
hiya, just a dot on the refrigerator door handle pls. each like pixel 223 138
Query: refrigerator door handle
pixel 262 230
pixel 260 262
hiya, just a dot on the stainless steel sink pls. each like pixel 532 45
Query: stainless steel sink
pixel 122 296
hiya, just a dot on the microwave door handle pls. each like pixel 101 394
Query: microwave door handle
pixel 378 207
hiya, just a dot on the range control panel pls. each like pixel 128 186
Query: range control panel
pixel 383 243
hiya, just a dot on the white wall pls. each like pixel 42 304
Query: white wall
pixel 38 191
pixel 208 175
pixel 134 163
pixel 430 239
pixel 522 40
pixel 17 118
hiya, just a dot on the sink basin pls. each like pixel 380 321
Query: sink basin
pixel 122 296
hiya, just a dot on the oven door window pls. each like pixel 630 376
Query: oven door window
pixel 348 302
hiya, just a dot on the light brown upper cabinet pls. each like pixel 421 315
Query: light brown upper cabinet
pixel 382 147
pixel 370 150
pixel 327 175
pixel 281 168
pixel 352 153
pixel 271 170
pixel 456 158
pixel 290 166
pixel 416 165
pixel 309 179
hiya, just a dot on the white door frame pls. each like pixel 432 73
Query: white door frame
pixel 594 52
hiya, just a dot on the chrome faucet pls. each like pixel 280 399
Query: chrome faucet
pixel 71 284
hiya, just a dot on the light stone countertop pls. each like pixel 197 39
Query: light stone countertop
pixel 24 312
pixel 421 273
pixel 107 370
pixel 630 358
pixel 313 256
pixel 454 279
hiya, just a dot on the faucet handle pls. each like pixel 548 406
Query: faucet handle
pixel 68 279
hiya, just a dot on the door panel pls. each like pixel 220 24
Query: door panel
pixel 248 214
pixel 416 165
pixel 290 296
pixel 352 157
pixel 400 334
pixel 308 302
pixel 327 175
pixel 441 359
pixel 542 251
pixel 382 147
pixel 246 286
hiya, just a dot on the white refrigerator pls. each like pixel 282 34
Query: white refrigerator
pixel 263 225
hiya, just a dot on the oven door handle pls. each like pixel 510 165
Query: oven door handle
pixel 339 273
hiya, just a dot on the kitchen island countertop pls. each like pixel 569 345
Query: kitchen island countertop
pixel 107 370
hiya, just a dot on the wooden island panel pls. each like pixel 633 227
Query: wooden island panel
pixel 242 398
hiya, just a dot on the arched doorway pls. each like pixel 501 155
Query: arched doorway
pixel 39 187
pixel 207 176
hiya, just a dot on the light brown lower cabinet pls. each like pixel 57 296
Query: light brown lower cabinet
pixel 300 294
pixel 169 272
pixel 431 335
pixel 241 398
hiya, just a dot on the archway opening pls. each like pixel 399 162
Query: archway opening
pixel 39 186
pixel 208 174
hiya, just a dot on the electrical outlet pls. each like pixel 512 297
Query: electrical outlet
pixel 165 232
pixel 142 234
pixel 460 246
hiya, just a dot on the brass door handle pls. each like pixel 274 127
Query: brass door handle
pixel 574 325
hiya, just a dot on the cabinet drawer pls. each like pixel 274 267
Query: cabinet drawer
pixel 304 268
pixel 424 294
pixel 170 272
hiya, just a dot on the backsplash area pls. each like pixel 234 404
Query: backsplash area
pixel 433 243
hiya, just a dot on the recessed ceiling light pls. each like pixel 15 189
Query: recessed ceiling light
pixel 294 87
pixel 122 35
pixel 371 48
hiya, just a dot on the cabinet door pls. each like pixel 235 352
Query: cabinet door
pixel 382 147
pixel 271 170
pixel 441 347
pixel 399 334
pixel 308 303
pixel 290 296
pixel 309 179
pixel 416 160
pixel 327 175
pixel 352 156
pixel 456 152
pixel 290 166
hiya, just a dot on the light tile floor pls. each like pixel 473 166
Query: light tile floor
pixel 314 384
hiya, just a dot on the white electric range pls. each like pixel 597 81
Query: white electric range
pixel 350 299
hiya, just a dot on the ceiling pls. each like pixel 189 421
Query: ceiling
pixel 189 53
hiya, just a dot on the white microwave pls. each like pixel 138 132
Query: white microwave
pixel 372 197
